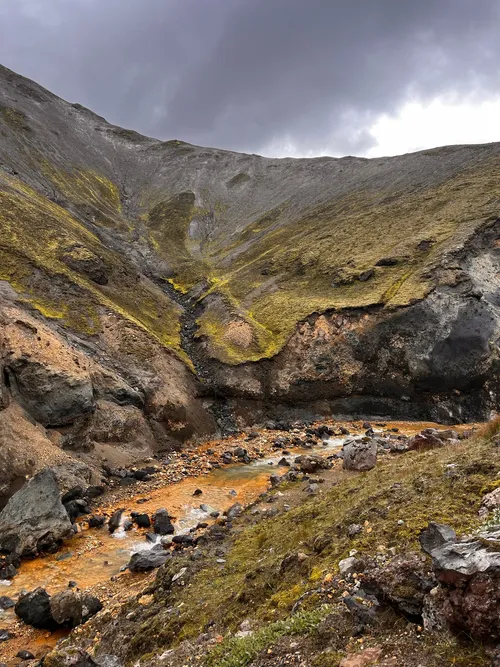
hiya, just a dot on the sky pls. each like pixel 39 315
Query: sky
pixel 274 77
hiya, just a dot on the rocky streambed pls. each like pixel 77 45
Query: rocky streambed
pixel 195 489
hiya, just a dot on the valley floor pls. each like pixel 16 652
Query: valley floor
pixel 265 588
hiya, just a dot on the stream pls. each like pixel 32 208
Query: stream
pixel 93 555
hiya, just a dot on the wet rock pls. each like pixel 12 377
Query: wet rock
pixel 162 523
pixel 240 452
pixel 71 608
pixel 183 540
pixel 359 455
pixel 275 480
pixel 8 569
pixel 114 521
pixel 76 508
pixel 143 561
pixel 25 655
pixel 94 491
pixel 310 463
pixel 284 462
pixel 72 494
pixel 34 609
pixel 227 458
pixel 197 492
pixel 5 635
pixel 97 521
pixel 141 520
pixel 234 511
pixel 34 518
pixel 6 603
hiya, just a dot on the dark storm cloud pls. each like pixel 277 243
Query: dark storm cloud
pixel 253 74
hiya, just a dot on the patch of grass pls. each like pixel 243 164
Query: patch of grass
pixel 240 651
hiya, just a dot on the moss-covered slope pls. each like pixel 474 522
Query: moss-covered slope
pixel 262 243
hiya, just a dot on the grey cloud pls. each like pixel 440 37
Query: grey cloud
pixel 253 74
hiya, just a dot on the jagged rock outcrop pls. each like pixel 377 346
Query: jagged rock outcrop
pixel 34 519
pixel 468 571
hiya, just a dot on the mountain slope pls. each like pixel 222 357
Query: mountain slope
pixel 271 286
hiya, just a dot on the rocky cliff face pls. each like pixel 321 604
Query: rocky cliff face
pixel 143 282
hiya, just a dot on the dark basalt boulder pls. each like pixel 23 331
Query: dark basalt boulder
pixel 34 519
pixel 34 609
pixel 66 609
pixel 114 521
pixel 141 520
pixel 162 523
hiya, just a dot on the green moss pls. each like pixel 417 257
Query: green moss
pixel 241 651
pixel 34 265
pixel 14 118
pixel 239 179
pixel 281 273
pixel 168 223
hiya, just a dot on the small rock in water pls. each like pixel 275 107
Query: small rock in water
pixel 97 521
pixel 114 521
pixel 5 635
pixel 197 492
pixel 233 493
pixel 162 523
pixel 6 603
pixel 141 520
pixel 25 655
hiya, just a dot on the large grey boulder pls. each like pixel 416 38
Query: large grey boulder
pixel 34 519
pixel 142 561
pixel 359 455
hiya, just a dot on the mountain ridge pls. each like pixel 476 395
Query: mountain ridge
pixel 205 280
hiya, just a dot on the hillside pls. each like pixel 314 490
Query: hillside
pixel 180 277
